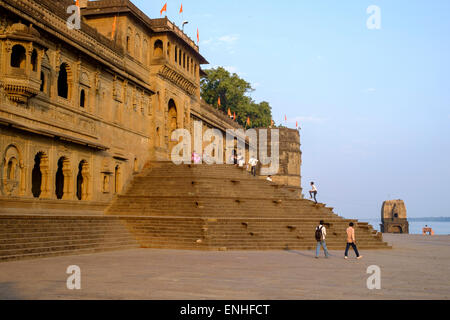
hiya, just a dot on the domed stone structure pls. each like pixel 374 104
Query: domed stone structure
pixel 393 217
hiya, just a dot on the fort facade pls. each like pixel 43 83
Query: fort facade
pixel 82 111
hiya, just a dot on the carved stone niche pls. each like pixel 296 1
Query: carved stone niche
pixel 20 73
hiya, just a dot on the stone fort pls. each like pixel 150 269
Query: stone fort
pixel 86 117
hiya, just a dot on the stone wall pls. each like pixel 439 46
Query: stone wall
pixel 81 111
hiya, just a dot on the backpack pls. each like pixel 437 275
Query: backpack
pixel 318 234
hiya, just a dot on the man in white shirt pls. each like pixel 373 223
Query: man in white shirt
pixel 253 162
pixel 313 192
pixel 321 233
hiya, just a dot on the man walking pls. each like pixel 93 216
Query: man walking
pixel 321 233
pixel 351 241
pixel 313 192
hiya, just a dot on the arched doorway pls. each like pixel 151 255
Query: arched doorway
pixel 62 180
pixel 82 180
pixel 39 176
pixel 36 176
pixel 172 124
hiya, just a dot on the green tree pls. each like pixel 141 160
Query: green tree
pixel 234 95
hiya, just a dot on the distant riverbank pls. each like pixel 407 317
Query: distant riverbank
pixel 440 225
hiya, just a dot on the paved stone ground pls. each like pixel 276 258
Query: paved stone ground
pixel 417 268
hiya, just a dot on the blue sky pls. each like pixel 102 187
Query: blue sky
pixel 374 105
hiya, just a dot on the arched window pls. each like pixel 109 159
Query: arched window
pixel 18 57
pixel 179 57
pixel 34 61
pixel 158 48
pixel 137 47
pixel 128 44
pixel 42 88
pixel 82 98
pixel 63 84
pixel 176 54
pixel 188 64
pixel 145 52
pixel 184 60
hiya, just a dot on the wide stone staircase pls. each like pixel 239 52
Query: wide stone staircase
pixel 193 207
pixel 33 236
pixel 222 207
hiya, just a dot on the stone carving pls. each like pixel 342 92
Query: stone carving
pixel 177 79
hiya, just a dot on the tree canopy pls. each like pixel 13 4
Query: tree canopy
pixel 234 95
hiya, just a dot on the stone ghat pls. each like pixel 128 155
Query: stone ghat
pixel 222 207
pixel 185 207
pixel 36 236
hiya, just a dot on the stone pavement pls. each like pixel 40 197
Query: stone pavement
pixel 416 268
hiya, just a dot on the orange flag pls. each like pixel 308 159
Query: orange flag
pixel 113 33
pixel 285 118
pixel 248 120
pixel 229 112
pixel 77 3
pixel 234 116
pixel 181 9
pixel 218 102
pixel 198 37
pixel 164 9
pixel 271 123
pixel 296 124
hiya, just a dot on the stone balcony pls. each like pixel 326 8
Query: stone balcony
pixel 20 87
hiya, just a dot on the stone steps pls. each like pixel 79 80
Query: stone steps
pixel 41 236
pixel 185 207
pixel 229 208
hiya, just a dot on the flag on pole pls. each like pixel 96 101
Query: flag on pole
pixel 285 118
pixel 198 37
pixel 296 124
pixel 181 9
pixel 218 102
pixel 113 33
pixel 248 121
pixel 229 112
pixel 234 116
pixel 77 3
pixel 164 8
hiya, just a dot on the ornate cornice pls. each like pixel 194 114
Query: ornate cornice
pixel 178 79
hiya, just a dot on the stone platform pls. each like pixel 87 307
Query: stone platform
pixel 416 268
